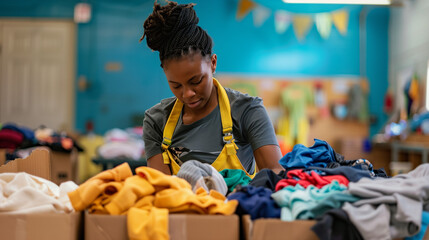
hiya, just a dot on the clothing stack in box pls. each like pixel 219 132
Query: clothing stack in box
pixel 148 197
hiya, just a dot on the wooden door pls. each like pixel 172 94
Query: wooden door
pixel 37 69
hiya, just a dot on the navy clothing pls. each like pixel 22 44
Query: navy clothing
pixel 255 201
pixel 320 154
pixel 267 178
pixel 380 173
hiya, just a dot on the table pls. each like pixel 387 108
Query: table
pixel 409 147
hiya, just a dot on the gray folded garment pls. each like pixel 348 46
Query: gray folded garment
pixel 203 175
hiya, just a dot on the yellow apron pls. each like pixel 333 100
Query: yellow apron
pixel 227 159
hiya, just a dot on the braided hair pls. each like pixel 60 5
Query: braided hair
pixel 172 30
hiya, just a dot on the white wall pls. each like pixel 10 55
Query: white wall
pixel 409 42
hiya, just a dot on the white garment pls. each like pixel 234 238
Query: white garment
pixel 116 135
pixel 129 149
pixel 121 144
pixel 25 193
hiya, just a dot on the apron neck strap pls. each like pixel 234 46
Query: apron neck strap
pixel 225 109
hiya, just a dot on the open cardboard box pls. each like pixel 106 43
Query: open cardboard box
pixel 55 166
pixel 276 229
pixel 38 226
pixel 38 163
pixel 180 227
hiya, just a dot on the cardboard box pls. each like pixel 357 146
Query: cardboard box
pixel 55 166
pixel 2 156
pixel 37 163
pixel 276 229
pixel 47 226
pixel 64 166
pixel 180 227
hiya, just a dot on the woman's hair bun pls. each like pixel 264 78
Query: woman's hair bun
pixel 165 22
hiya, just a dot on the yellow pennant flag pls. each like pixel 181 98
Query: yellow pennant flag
pixel 341 20
pixel 301 25
pixel 244 7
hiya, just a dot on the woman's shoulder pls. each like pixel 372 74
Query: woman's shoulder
pixel 239 99
pixel 161 109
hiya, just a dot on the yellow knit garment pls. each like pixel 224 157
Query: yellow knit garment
pixel 160 180
pixel 98 206
pixel 90 190
pixel 146 222
pixel 135 188
pixel 184 200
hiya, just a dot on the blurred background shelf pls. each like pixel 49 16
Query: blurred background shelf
pixel 113 162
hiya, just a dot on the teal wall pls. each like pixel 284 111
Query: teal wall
pixel 376 63
pixel 116 26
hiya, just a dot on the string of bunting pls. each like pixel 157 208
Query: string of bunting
pixel 302 23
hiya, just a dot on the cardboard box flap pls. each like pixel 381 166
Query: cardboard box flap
pixel 38 163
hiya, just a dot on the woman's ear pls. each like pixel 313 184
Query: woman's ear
pixel 213 63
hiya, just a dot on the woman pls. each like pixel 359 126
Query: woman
pixel 204 121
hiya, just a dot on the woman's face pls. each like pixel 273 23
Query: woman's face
pixel 191 80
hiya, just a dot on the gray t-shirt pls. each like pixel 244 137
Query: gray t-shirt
pixel 252 129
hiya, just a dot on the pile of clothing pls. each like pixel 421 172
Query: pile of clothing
pixel 348 198
pixel 25 193
pixel 21 140
pixel 120 143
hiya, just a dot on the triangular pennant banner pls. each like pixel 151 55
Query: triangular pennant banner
pixel 341 20
pixel 244 7
pixel 324 24
pixel 260 14
pixel 282 21
pixel 301 25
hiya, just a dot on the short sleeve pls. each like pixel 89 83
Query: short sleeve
pixel 257 126
pixel 251 120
